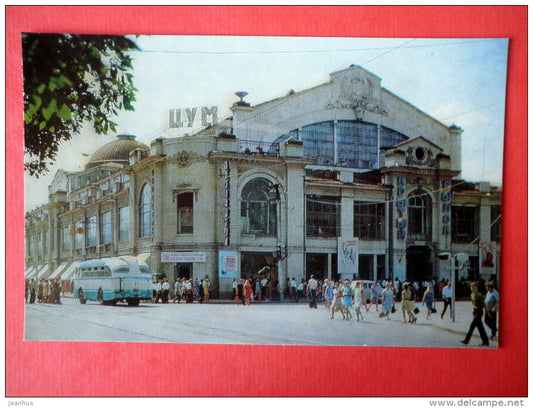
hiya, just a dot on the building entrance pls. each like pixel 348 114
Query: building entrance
pixel 317 264
pixel 182 270
pixel 419 264
pixel 254 264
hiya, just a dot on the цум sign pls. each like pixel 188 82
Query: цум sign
pixel 185 117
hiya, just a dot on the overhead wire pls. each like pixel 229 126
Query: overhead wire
pixel 149 136
pixel 497 219
pixel 255 52
pixel 388 50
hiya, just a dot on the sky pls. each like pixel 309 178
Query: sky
pixel 456 81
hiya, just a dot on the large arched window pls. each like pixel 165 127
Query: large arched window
pixel 145 210
pixel 258 208
pixel 419 216
pixel 357 144
pixel 346 143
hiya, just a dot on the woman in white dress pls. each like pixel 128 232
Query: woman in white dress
pixel 359 300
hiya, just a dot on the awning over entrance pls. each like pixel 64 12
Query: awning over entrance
pixel 37 273
pixel 69 272
pixel 30 272
pixel 58 270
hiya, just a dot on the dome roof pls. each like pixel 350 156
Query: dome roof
pixel 117 151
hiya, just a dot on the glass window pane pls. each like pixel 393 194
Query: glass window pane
pixel 369 220
pixel 124 224
pixel 419 216
pixel 185 213
pixel 323 215
pixel 145 212
pixel 107 228
pixel 258 208
pixel 318 141
pixel 91 231
pixel 465 223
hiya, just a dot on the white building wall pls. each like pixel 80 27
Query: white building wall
pixel 351 94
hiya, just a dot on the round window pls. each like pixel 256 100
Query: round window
pixel 420 153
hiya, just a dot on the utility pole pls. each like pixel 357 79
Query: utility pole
pixel 281 249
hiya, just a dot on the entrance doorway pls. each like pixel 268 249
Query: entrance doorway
pixel 182 270
pixel 317 264
pixel 419 264
pixel 254 262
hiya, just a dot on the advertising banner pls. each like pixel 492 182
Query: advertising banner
pixel 348 253
pixel 183 257
pixel 228 265
pixel 487 258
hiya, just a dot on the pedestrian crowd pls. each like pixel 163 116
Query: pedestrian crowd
pixel 345 296
pixel 45 291
pixel 185 290
pixel 338 296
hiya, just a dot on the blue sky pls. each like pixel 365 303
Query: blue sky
pixel 459 81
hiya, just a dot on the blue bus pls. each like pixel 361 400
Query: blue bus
pixel 112 280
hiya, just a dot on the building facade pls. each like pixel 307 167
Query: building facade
pixel 342 180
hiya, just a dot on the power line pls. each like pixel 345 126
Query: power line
pixel 473 111
pixel 317 51
pixel 464 248
pixel 379 202
pixel 389 51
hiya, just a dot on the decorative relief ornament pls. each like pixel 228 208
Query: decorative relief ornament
pixel 184 159
pixel 419 155
pixel 357 94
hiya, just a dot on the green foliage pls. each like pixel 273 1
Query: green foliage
pixel 70 80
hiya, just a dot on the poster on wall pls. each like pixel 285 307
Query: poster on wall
pixel 228 265
pixel 487 257
pixel 348 250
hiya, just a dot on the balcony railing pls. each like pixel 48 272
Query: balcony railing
pixel 259 148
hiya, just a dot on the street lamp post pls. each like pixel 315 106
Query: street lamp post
pixel 452 269
pixel 281 249
pixel 281 254
pixel 459 259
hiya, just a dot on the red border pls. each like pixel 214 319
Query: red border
pixel 46 369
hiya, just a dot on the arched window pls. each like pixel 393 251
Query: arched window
pixel 346 143
pixel 419 216
pixel 145 210
pixel 258 208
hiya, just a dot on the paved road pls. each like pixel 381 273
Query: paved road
pixel 226 323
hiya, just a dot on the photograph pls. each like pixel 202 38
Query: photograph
pixel 358 177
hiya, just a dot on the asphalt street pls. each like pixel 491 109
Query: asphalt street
pixel 262 323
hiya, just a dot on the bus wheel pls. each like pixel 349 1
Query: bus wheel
pixel 133 302
pixel 80 295
pixel 100 296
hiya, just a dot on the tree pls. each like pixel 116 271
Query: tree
pixel 70 80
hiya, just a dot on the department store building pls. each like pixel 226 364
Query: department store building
pixel 342 180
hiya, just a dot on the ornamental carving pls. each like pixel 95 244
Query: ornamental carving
pixel 420 156
pixel 184 159
pixel 358 94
